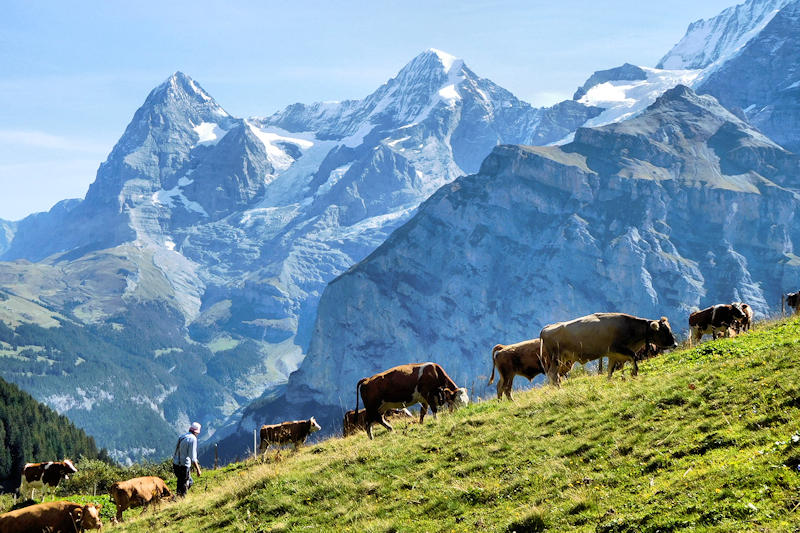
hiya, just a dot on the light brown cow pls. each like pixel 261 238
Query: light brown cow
pixel 714 320
pixel 53 517
pixel 352 422
pixel 44 476
pixel 137 492
pixel 526 358
pixel 405 385
pixel 614 335
pixel 295 432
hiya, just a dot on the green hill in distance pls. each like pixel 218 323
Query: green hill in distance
pixel 705 439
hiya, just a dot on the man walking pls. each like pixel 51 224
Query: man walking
pixel 185 458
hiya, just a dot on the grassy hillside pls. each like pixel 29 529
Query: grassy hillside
pixel 703 439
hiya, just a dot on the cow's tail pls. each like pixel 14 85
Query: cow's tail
pixel 497 348
pixel 358 389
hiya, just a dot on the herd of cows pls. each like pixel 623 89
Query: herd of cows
pixel 619 337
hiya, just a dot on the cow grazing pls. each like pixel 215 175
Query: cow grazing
pixel 295 432
pixel 526 359
pixel 405 385
pixel 136 492
pixel 714 320
pixel 744 323
pixel 793 301
pixel 43 476
pixel 53 517
pixel 614 335
pixel 352 422
pixel 646 352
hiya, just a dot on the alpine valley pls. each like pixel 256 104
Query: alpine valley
pixel 244 271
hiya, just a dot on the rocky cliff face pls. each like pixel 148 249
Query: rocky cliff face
pixel 679 208
pixel 763 79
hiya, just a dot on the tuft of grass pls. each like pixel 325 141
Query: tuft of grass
pixel 706 438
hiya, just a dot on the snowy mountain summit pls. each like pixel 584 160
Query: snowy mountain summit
pixel 717 39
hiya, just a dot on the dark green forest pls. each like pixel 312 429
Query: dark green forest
pixel 32 432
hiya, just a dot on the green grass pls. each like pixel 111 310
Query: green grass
pixel 702 440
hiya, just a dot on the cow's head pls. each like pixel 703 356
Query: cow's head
pixel 314 426
pixel 661 333
pixel 453 398
pixel 792 299
pixel 88 517
pixel 69 468
pixel 736 311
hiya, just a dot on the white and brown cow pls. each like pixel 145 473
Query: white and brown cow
pixel 614 335
pixel 714 320
pixel 53 517
pixel 43 476
pixel 136 492
pixel 353 422
pixel 293 432
pixel 403 386
pixel 526 358
pixel 744 323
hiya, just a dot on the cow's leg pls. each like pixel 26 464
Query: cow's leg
pixel 621 355
pixel 507 389
pixel 500 387
pixel 422 410
pixel 384 423
pixel 119 513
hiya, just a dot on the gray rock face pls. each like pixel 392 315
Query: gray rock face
pixel 7 230
pixel 679 208
pixel 714 40
pixel 763 79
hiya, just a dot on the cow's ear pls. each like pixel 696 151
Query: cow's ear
pixel 654 325
pixel 665 320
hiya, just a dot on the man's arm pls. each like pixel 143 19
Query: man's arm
pixel 195 464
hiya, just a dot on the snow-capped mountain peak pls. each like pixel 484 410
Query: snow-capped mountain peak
pixel 719 38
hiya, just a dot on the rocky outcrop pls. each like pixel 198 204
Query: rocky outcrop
pixel 763 79
pixel 626 72
pixel 679 208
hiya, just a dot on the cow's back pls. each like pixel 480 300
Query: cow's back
pixel 588 333
pixel 57 516
pixel 393 385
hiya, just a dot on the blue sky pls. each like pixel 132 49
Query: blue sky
pixel 73 73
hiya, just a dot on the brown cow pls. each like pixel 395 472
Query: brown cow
pixel 54 517
pixel 614 335
pixel 44 475
pixel 714 320
pixel 646 352
pixel 403 386
pixel 793 301
pixel 295 432
pixel 352 422
pixel 137 492
pixel 744 323
pixel 526 358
